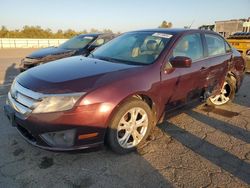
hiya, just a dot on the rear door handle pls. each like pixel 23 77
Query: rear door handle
pixel 203 68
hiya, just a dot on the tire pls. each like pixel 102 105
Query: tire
pixel 118 130
pixel 227 93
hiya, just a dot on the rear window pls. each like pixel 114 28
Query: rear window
pixel 77 42
pixel 215 44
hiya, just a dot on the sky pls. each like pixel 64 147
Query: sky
pixel 118 15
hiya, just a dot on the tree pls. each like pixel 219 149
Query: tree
pixel 84 32
pixel 4 32
pixel 94 30
pixel 70 33
pixel 38 32
pixel 107 31
pixel 166 24
pixel 59 34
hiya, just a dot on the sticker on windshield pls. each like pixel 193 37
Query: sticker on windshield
pixel 162 35
pixel 88 37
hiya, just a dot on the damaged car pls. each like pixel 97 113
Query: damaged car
pixel 122 91
pixel 79 45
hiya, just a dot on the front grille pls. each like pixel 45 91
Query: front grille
pixel 22 99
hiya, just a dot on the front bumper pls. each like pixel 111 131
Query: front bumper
pixel 33 126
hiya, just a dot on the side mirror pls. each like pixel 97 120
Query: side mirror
pixel 181 62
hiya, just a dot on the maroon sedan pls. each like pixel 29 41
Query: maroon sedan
pixel 121 91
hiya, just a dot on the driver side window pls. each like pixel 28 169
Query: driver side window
pixel 189 46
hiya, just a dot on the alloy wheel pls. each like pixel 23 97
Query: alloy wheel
pixel 132 127
pixel 223 97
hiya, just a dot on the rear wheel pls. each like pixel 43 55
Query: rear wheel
pixel 226 95
pixel 130 126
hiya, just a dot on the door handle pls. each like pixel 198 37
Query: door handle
pixel 203 68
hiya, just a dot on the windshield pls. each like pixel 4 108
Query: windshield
pixel 77 42
pixel 135 48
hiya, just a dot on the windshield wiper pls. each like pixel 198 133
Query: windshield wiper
pixel 107 59
pixel 110 59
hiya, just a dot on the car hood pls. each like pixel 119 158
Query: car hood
pixel 48 52
pixel 73 74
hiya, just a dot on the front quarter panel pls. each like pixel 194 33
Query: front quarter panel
pixel 107 98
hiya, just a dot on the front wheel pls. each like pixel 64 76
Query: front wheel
pixel 130 126
pixel 226 95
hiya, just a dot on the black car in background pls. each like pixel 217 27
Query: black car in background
pixel 79 45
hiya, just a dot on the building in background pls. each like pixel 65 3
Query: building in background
pixel 241 41
pixel 246 26
pixel 237 32
pixel 229 27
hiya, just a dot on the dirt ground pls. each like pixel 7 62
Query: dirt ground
pixel 197 147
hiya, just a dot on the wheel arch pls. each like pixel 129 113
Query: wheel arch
pixel 140 95
pixel 233 76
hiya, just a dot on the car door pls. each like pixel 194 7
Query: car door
pixel 219 55
pixel 185 88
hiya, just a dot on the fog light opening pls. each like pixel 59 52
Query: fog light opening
pixel 60 139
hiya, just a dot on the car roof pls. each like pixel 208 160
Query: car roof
pixel 90 34
pixel 95 35
pixel 162 30
pixel 174 31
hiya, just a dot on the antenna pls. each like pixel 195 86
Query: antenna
pixel 191 24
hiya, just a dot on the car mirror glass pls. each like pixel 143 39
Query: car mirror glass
pixel 181 62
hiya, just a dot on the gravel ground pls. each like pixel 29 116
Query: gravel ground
pixel 197 147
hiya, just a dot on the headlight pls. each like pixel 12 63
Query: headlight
pixel 56 103
pixel 60 139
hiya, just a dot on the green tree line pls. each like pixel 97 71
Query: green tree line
pixel 166 24
pixel 38 32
